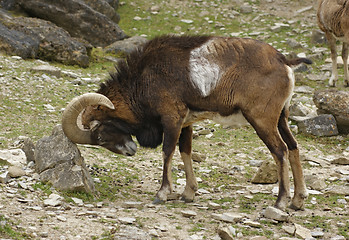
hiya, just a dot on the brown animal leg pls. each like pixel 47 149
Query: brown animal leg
pixel 334 77
pixel 345 63
pixel 191 186
pixel 272 139
pixel 300 192
pixel 172 130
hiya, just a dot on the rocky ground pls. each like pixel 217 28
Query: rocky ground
pixel 227 203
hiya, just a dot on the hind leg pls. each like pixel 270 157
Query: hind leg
pixel 300 191
pixel 185 142
pixel 268 132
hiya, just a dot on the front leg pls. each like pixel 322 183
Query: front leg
pixel 334 76
pixel 185 147
pixel 345 63
pixel 172 128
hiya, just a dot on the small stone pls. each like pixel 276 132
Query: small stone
pixel 61 218
pixel 276 214
pixel 267 173
pixel 214 206
pixel 246 9
pixel 4 177
pixel 317 234
pixel 133 204
pixel 53 200
pixel 252 223
pixel 341 161
pixel 187 21
pixel 225 234
pixel 78 201
pixel 127 220
pixel 289 229
pixel 51 70
pixel 188 213
pixel 228 217
pixel 302 232
pixel 15 172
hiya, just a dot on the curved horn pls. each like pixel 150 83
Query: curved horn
pixel 72 111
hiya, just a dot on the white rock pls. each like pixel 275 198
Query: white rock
pixel 127 220
pixel 15 157
pixel 302 232
pixel 133 204
pixel 228 217
pixel 61 218
pixel 77 201
pixel 187 21
pixel 188 213
pixel 276 214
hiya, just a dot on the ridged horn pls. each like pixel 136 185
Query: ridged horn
pixel 72 111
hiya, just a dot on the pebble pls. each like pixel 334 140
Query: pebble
pixel 127 220
pixel 15 171
pixel 188 213
pixel 276 214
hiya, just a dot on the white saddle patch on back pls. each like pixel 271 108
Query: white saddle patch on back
pixel 204 73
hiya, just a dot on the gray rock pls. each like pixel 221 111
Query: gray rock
pixel 267 173
pixel 334 102
pixel 105 8
pixel 126 46
pixel 322 125
pixel 4 177
pixel 51 70
pixel 318 37
pixel 54 43
pixel 127 220
pixel 133 204
pixel 53 200
pixel 225 234
pixel 80 20
pixel 59 162
pixel 246 9
pixel 302 232
pixel 27 145
pixel 314 182
pixel 228 217
pixel 341 161
pixel 15 172
pixel 275 214
pixel 14 42
pixel 188 213
pixel 298 109
pixel 15 157
pixel 340 190
pixel 293 44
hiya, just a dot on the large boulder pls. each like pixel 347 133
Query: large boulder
pixel 334 102
pixel 76 17
pixel 59 162
pixel 105 8
pixel 41 39
pixel 14 42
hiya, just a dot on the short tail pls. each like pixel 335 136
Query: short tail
pixel 297 61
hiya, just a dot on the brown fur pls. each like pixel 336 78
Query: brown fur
pixel 333 19
pixel 153 94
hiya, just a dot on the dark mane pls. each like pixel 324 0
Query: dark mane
pixel 130 69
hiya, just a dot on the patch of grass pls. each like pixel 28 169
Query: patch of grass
pixel 46 188
pixel 8 230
